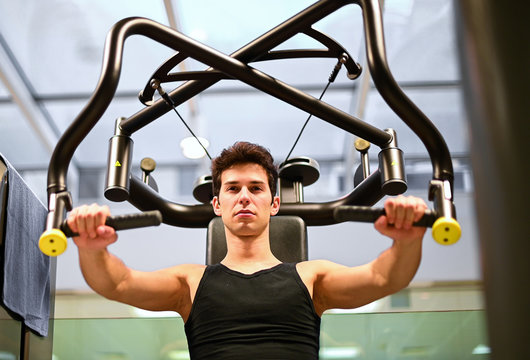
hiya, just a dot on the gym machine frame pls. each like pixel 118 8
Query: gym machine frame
pixel 356 206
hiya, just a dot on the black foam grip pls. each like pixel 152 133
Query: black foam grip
pixel 124 222
pixel 368 214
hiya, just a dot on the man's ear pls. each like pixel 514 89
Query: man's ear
pixel 216 206
pixel 275 207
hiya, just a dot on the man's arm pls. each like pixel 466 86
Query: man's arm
pixel 337 286
pixel 107 275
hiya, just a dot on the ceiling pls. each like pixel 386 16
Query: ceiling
pixel 51 55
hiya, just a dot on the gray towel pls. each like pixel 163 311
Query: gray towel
pixel 26 270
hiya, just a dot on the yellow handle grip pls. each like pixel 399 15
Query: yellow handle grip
pixel 446 231
pixel 53 242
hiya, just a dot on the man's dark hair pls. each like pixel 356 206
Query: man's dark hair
pixel 244 153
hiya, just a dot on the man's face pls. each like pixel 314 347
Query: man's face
pixel 245 201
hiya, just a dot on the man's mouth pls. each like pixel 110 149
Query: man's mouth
pixel 244 213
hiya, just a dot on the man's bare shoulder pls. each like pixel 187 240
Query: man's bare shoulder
pixel 187 274
pixel 312 271
pixel 317 267
pixel 187 270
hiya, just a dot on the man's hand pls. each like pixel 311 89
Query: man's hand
pixel 89 222
pixel 401 213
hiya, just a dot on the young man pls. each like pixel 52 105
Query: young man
pixel 251 306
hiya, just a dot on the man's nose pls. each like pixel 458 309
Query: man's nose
pixel 244 196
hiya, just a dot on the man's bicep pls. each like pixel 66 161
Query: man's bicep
pixel 343 287
pixel 161 290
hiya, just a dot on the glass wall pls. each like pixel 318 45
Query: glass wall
pixel 414 335
pixel 422 322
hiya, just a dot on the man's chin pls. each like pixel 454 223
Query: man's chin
pixel 245 230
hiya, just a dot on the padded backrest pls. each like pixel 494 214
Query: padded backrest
pixel 288 237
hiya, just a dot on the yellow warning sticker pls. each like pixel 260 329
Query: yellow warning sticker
pixel 117 163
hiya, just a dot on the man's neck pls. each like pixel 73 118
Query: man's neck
pixel 249 254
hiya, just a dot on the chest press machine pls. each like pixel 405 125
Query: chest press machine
pixel 121 185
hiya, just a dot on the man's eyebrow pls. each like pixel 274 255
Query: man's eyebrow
pixel 235 182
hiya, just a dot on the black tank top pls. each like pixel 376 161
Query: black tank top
pixel 265 315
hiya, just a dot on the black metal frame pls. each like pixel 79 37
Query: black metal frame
pixel 236 66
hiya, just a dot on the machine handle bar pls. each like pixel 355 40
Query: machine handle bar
pixel 123 222
pixel 53 242
pixel 445 230
pixel 369 214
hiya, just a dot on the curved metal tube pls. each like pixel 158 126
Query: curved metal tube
pixel 253 50
pixel 196 215
pixel 189 216
pixel 108 83
pixel 396 98
pixel 334 50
